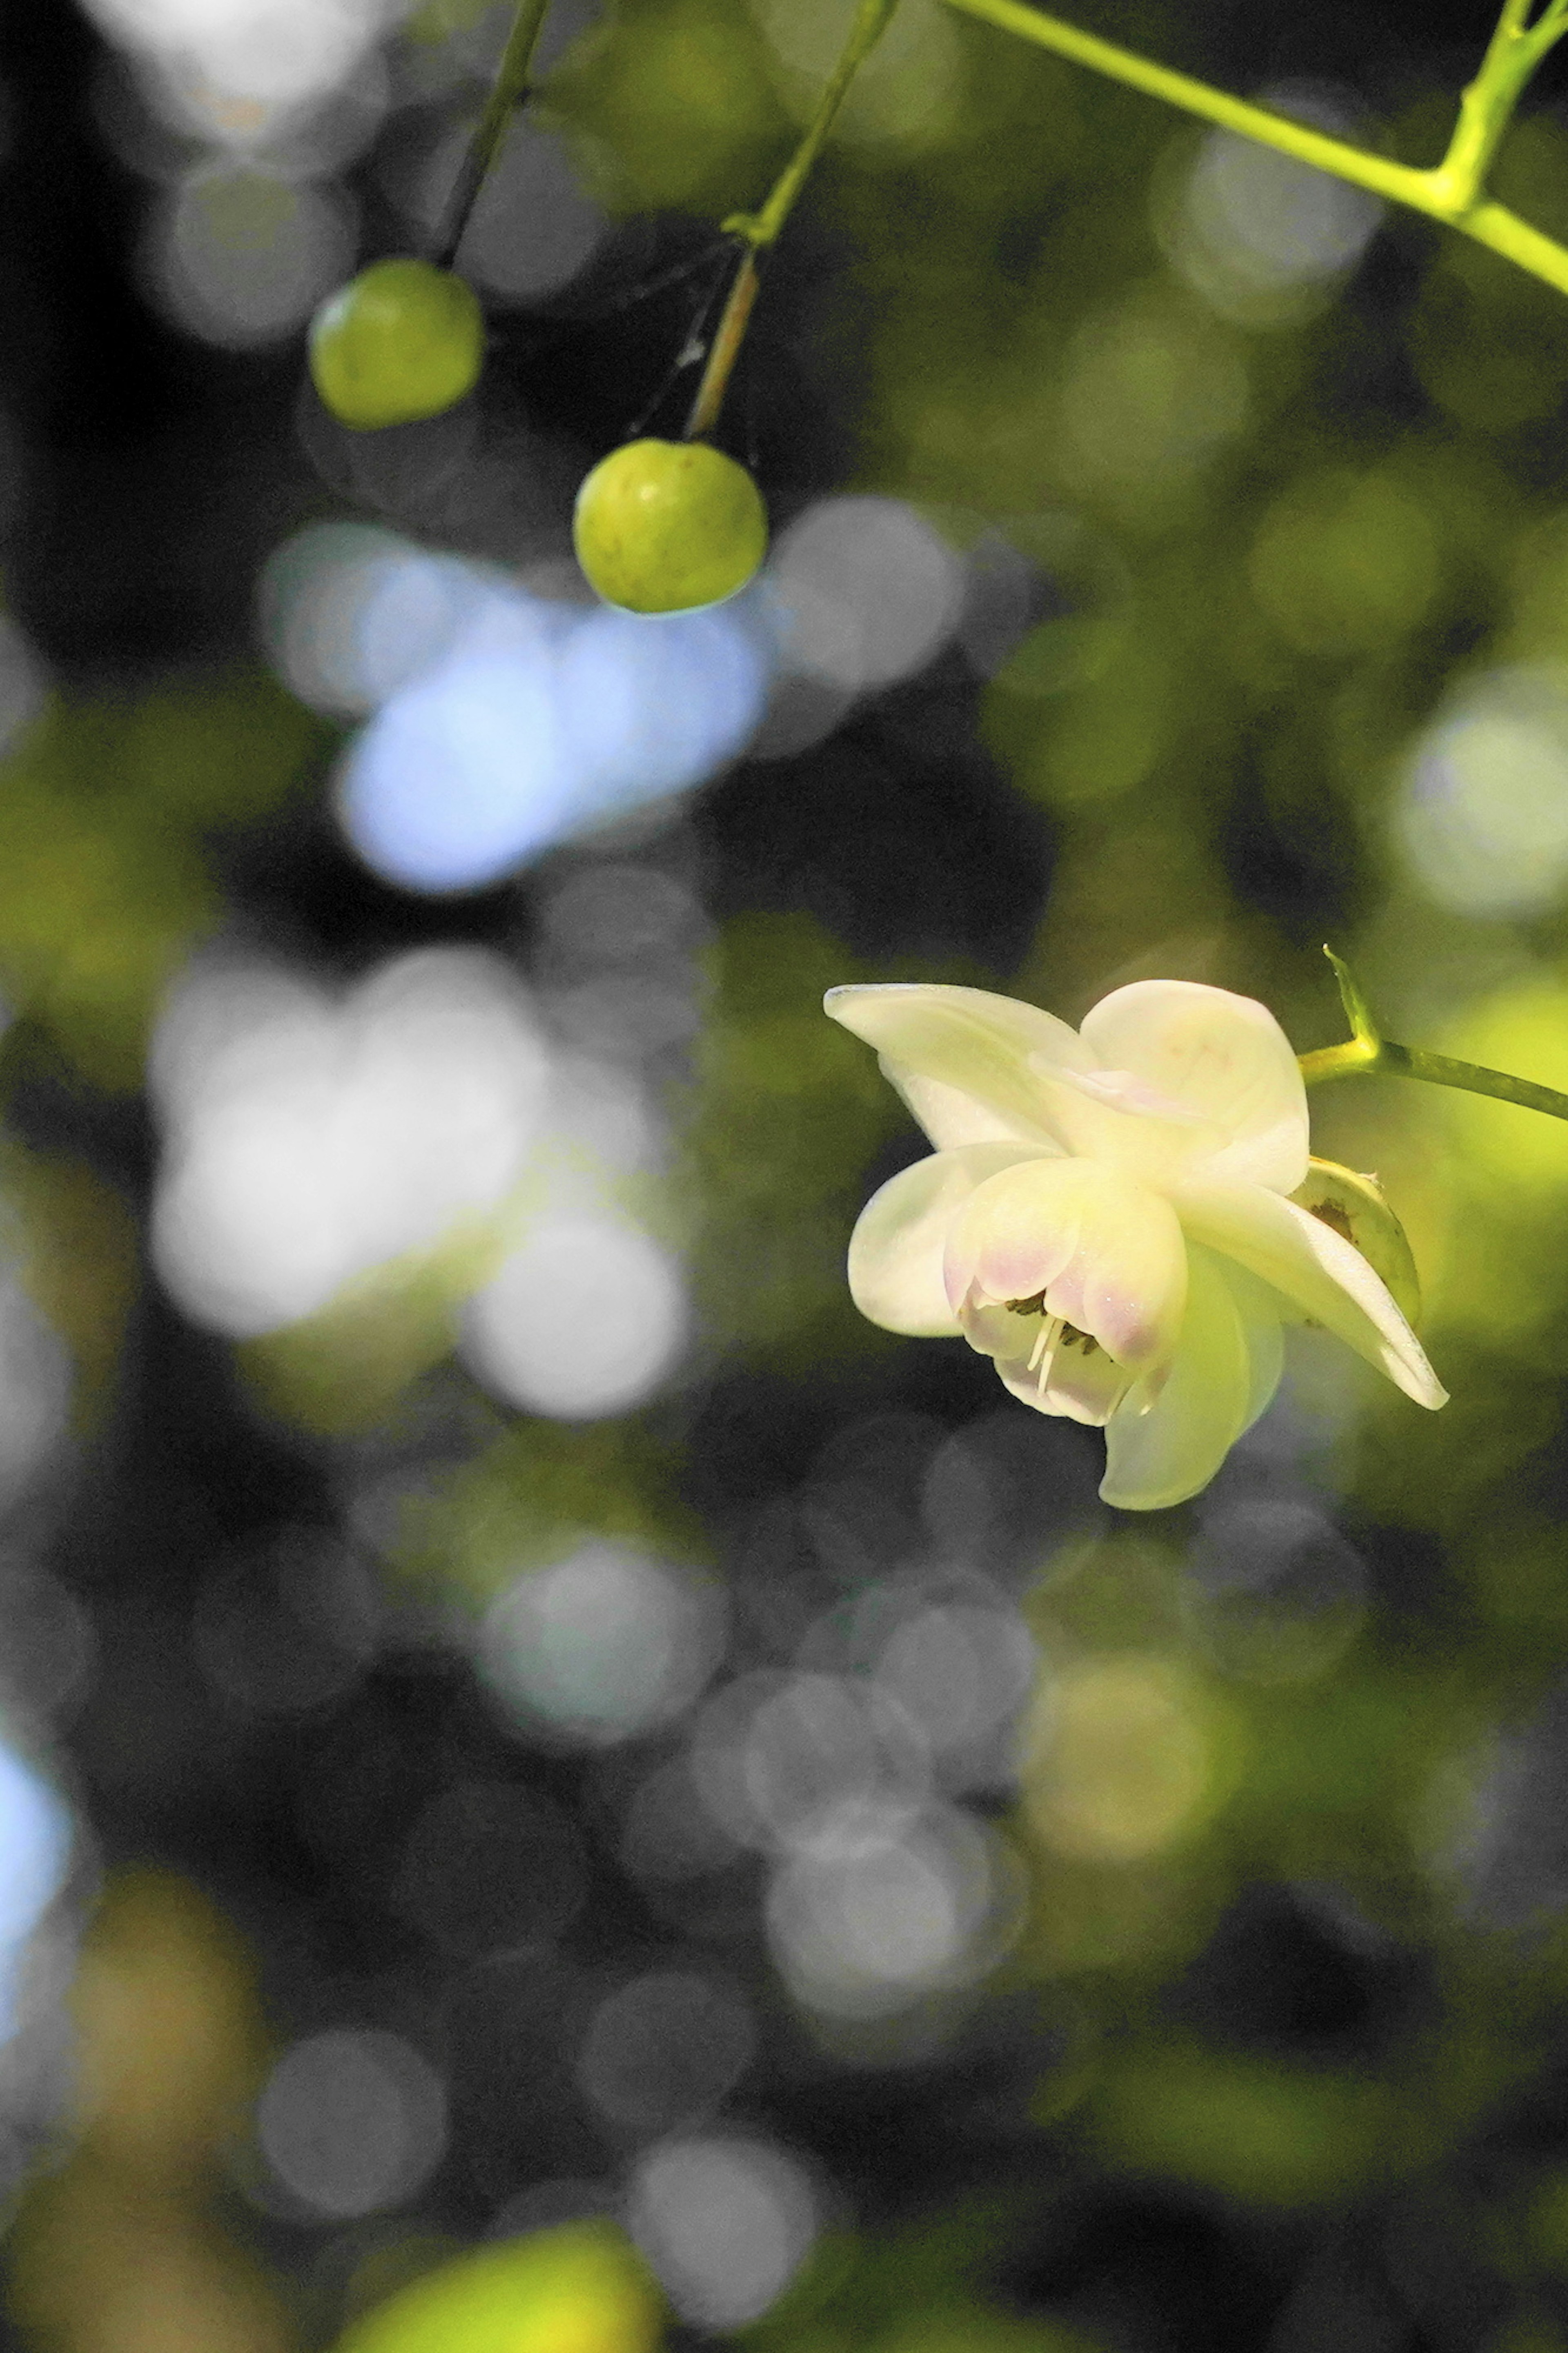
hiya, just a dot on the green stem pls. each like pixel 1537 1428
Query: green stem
pixel 760 229
pixel 724 350
pixel 507 91
pixel 1486 108
pixel 871 18
pixel 1368 1054
pixel 1394 1061
pixel 1449 192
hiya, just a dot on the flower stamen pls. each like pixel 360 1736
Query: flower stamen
pixel 1044 1354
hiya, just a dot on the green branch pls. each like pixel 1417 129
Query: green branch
pixel 507 91
pixel 1366 1054
pixel 761 229
pixel 1451 192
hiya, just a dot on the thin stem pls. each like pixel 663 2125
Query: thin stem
pixel 1441 1071
pixel 1448 192
pixel 1309 146
pixel 871 18
pixel 1367 1054
pixel 725 348
pixel 1392 1061
pixel 1487 106
pixel 760 229
pixel 509 91
pixel 1549 26
pixel 1479 131
pixel 1493 224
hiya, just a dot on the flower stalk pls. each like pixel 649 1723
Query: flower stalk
pixel 1367 1053
pixel 725 348
pixel 760 229
pixel 507 91
pixel 1451 191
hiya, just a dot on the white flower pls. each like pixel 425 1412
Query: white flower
pixel 1108 1215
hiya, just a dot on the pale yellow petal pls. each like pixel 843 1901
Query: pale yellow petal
pixel 938 1043
pixel 896 1249
pixel 1221 1056
pixel 1354 1206
pixel 1316 1268
pixel 1224 1371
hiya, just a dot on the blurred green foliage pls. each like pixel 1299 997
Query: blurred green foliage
pixel 908 2291
pixel 785 1113
pixel 105 804
pixel 675 97
pixel 531 1495
pixel 578 2289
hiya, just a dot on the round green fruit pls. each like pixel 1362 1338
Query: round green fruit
pixel 401 341
pixel 662 526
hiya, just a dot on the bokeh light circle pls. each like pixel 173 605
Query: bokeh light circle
pixel 352 2121
pixel 1482 814
pixel 865 591
pixel 726 2224
pixel 584 1319
pixel 601 1646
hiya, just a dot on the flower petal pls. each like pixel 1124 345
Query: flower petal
pixel 938 1043
pixel 1106 1252
pixel 1118 1119
pixel 896 1249
pixel 1325 1276
pixel 953 1119
pixel 1222 1056
pixel 1265 1338
pixel 1226 1360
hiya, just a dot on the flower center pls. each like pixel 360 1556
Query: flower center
pixel 1067 1334
pixel 1055 1337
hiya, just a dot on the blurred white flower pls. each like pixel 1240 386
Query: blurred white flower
pixel 1123 1218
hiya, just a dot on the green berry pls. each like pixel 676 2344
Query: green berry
pixel 403 340
pixel 662 526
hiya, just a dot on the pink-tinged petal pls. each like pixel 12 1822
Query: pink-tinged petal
pixel 1316 1268
pixel 940 1043
pixel 896 1249
pixel 1226 1360
pixel 1225 1058
pixel 1104 1252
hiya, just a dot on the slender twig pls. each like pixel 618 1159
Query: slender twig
pixel 1487 106
pixel 507 91
pixel 1449 192
pixel 761 229
pixel 1367 1053
pixel 725 347
pixel 872 19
